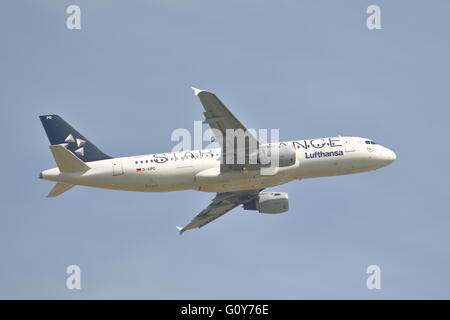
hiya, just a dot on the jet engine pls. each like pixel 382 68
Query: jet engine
pixel 269 202
pixel 286 155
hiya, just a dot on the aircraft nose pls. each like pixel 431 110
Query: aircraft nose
pixel 389 156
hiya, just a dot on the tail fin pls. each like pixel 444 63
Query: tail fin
pixel 60 187
pixel 66 162
pixel 61 133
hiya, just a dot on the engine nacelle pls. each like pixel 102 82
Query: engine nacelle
pixel 286 155
pixel 269 202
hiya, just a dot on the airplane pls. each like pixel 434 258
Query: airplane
pixel 80 162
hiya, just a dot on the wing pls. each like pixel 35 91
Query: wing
pixel 221 204
pixel 219 118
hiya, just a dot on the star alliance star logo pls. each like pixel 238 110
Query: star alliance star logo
pixel 79 142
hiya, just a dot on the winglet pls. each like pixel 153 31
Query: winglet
pixel 180 229
pixel 196 91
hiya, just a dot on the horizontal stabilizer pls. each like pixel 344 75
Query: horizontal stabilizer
pixel 59 188
pixel 67 161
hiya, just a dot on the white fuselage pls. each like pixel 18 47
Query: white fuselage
pixel 200 169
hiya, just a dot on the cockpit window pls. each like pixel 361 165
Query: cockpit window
pixel 370 142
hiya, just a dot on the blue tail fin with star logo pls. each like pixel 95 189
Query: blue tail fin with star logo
pixel 61 133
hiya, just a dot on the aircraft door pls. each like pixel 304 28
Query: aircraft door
pixel 117 167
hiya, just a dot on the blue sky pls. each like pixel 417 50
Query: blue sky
pixel 310 68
